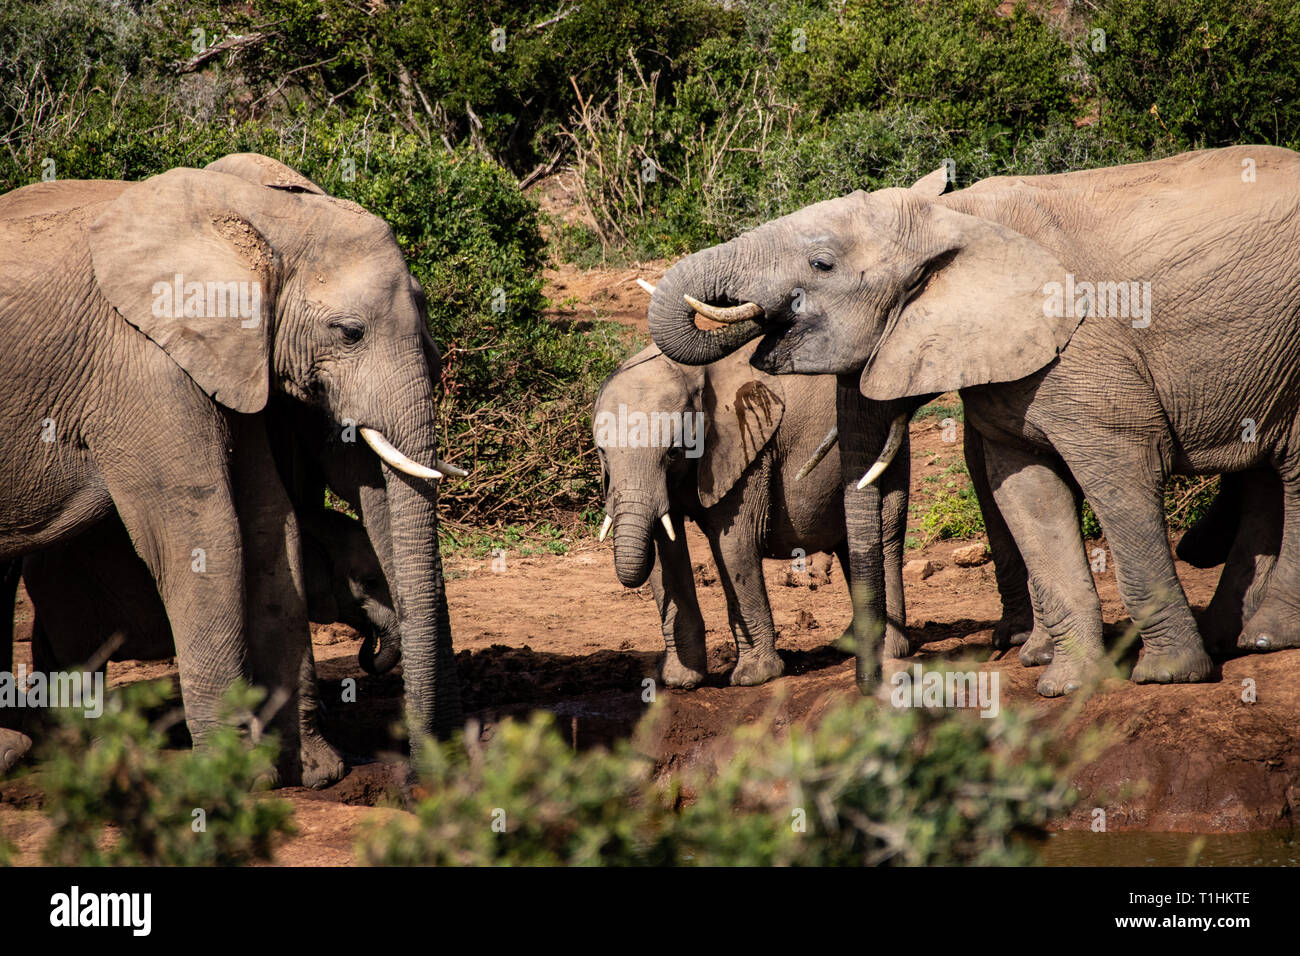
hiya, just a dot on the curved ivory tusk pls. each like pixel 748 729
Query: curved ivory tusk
pixel 447 468
pixel 727 315
pixel 668 527
pixel 646 285
pixel 385 450
pixel 822 451
pixel 892 444
pixel 604 528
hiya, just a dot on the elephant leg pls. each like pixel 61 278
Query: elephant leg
pixel 1127 492
pixel 279 637
pixel 894 493
pixel 1275 623
pixel 1020 625
pixel 740 569
pixel 10 572
pixel 1249 560
pixel 1037 503
pixel 685 662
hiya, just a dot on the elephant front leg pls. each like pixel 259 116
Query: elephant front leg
pixel 1275 623
pixel 1021 624
pixel 1038 505
pixel 279 636
pixel 685 662
pixel 740 569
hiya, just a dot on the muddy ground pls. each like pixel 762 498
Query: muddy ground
pixel 558 632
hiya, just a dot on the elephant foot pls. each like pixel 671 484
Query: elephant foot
pixel 1065 675
pixel 12 747
pixel 1038 649
pixel 756 667
pixel 1011 632
pixel 1183 663
pixel 321 763
pixel 674 672
pixel 1274 627
pixel 897 643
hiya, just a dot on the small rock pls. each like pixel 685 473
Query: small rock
pixel 804 621
pixel 704 574
pixel 971 556
pixel 919 570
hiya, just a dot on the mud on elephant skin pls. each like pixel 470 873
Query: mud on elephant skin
pixel 913 295
pixel 150 321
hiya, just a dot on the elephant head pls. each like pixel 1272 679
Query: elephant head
pixel 897 285
pixel 673 437
pixel 260 286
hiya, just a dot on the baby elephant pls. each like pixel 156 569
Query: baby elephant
pixel 722 444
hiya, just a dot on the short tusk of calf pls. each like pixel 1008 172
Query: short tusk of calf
pixel 892 444
pixel 646 285
pixel 604 528
pixel 448 468
pixel 385 450
pixel 726 315
pixel 822 451
pixel 668 527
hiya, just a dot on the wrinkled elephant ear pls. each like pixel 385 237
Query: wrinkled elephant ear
pixel 933 184
pixel 264 171
pixel 180 258
pixel 743 408
pixel 981 308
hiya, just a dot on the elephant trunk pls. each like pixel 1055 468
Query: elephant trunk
pixel 634 553
pixel 707 277
pixel 381 649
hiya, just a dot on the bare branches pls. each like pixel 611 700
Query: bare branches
pixel 231 45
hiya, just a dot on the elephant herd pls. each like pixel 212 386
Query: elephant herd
pixel 193 359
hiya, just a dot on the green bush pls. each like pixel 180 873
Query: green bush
pixel 1182 74
pixel 108 781
pixel 867 785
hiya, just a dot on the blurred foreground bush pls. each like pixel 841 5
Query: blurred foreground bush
pixel 868 785
pixel 116 798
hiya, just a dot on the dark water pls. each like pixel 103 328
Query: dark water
pixel 1085 848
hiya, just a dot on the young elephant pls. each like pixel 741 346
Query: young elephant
pixel 731 468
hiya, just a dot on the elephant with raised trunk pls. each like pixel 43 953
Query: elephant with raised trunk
pixel 147 324
pixel 1117 325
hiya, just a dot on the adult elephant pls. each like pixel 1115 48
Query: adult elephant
pixel 147 324
pixel 1122 323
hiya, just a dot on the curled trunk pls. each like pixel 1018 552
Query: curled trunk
pixel 634 553
pixel 707 276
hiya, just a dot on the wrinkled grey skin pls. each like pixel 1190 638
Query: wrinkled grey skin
pixel 909 296
pixel 154 415
pixel 1242 530
pixel 741 492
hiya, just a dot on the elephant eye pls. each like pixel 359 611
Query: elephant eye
pixel 821 265
pixel 351 331
pixel 674 452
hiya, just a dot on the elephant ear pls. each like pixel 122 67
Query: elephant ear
pixel 980 311
pixel 264 171
pixel 743 408
pixel 180 258
pixel 933 184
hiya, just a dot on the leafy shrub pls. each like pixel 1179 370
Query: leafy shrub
pixel 112 773
pixel 867 785
pixel 1180 74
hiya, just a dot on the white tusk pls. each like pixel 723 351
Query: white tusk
pixel 668 527
pixel 448 468
pixel 822 451
pixel 604 528
pixel 646 285
pixel 728 315
pixel 892 444
pixel 385 450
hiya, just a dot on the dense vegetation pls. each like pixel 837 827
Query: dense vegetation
pixel 685 120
